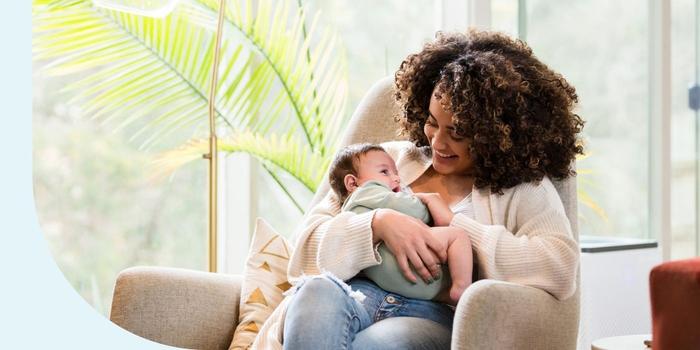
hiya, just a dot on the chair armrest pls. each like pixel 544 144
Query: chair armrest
pixel 500 315
pixel 178 307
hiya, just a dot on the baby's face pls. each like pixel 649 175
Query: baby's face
pixel 378 166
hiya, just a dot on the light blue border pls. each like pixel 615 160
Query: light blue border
pixel 38 307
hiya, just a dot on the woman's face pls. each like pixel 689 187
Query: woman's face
pixel 450 151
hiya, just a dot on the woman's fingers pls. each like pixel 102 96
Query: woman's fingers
pixel 431 261
pixel 419 266
pixel 405 270
pixel 437 246
pixel 412 242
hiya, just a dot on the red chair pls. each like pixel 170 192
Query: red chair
pixel 675 305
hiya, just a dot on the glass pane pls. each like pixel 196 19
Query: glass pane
pixel 601 47
pixel 684 156
pixel 377 36
pixel 504 16
pixel 98 209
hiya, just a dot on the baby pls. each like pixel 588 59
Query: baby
pixel 365 177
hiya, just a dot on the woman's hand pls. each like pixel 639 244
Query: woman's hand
pixel 439 210
pixel 410 240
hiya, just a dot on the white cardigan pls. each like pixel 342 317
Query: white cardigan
pixel 521 236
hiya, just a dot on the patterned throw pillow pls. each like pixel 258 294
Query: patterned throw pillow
pixel 264 282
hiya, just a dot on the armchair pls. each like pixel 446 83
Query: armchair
pixel 199 310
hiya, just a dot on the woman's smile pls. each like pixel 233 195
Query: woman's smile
pixel 444 158
pixel 445 155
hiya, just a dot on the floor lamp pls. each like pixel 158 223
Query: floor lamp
pixel 162 8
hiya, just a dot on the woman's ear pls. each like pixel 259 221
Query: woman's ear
pixel 350 182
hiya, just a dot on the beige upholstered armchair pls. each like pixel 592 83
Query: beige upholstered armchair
pixel 199 310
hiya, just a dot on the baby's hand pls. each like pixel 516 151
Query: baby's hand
pixel 439 210
pixel 426 198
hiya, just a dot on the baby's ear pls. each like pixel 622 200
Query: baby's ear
pixel 350 182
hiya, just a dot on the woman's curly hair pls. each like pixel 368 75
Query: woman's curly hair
pixel 515 110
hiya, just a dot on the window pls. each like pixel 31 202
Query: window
pixel 607 61
pixel 613 86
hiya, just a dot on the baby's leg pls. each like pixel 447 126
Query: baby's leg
pixel 459 259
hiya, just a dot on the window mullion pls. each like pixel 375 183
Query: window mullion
pixel 660 123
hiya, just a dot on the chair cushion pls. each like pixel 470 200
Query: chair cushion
pixel 264 281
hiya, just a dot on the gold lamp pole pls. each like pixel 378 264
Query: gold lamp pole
pixel 213 150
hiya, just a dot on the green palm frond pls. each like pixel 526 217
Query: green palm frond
pixel 157 69
pixel 284 152
pixel 274 151
pixel 311 79
pixel 275 77
pixel 582 189
pixel 166 163
pixel 586 200
pixel 140 67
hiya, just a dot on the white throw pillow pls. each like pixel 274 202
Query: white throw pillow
pixel 265 280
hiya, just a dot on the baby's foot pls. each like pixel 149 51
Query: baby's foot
pixel 457 289
pixel 444 297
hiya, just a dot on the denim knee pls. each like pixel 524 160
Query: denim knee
pixel 322 298
pixel 323 314
pixel 319 289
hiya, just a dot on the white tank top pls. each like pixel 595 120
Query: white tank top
pixel 465 206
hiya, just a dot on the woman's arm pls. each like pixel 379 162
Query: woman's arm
pixel 328 240
pixel 541 253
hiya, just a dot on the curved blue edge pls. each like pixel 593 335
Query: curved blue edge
pixel 39 309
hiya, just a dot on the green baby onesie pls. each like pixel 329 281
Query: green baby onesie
pixel 387 275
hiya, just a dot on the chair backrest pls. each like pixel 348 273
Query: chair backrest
pixel 374 121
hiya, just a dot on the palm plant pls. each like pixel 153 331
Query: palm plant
pixel 281 88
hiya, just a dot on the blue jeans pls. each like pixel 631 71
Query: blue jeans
pixel 323 315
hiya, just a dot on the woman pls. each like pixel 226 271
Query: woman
pixel 489 125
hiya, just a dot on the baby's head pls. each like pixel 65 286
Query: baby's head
pixel 356 164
